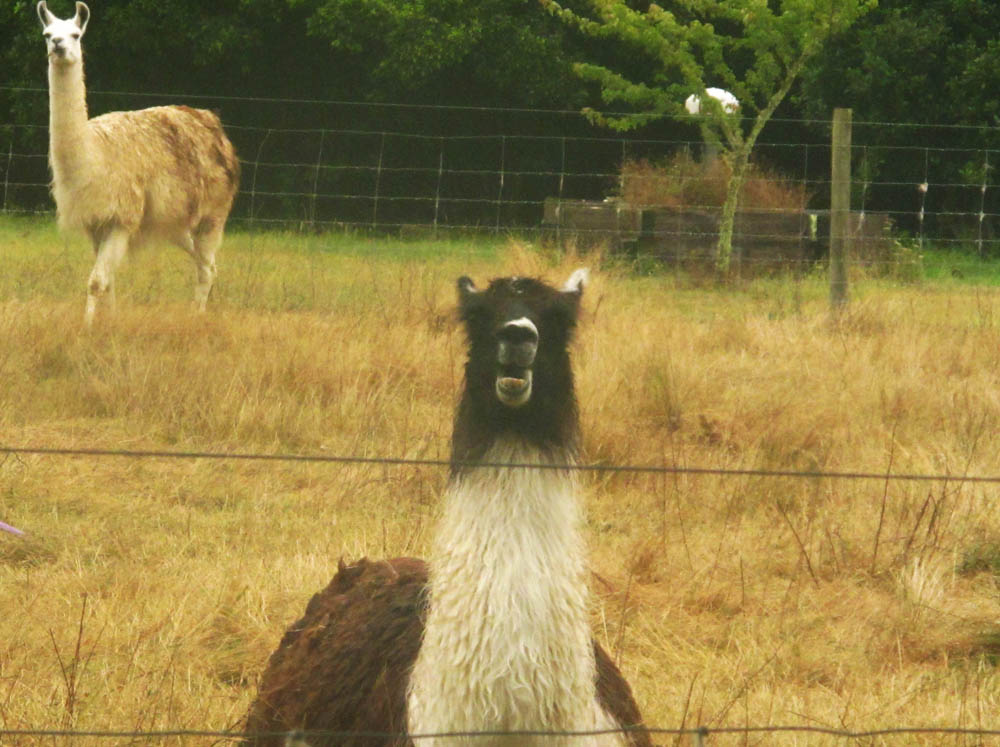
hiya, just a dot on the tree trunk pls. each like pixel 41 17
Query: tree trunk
pixel 738 163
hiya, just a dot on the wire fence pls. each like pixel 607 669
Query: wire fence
pixel 698 735
pixel 456 170
pixel 413 462
pixel 430 171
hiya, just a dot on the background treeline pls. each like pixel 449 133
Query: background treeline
pixel 914 62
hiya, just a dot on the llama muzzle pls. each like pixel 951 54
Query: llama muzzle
pixel 514 391
pixel 517 346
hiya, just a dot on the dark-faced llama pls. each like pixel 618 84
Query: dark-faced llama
pixel 491 634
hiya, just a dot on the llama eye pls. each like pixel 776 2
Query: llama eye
pixel 75 35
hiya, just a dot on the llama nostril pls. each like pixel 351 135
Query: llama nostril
pixel 518 343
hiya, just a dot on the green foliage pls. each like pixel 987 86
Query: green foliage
pixel 753 48
pixel 487 51
pixel 932 61
pixel 748 47
pixel 495 52
pixel 981 558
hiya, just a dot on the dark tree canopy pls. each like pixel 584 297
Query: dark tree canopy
pixel 929 62
pixel 907 61
pixel 485 52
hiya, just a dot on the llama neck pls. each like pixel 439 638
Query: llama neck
pixel 68 131
pixel 507 642
pixel 495 519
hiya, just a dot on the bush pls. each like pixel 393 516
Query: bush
pixel 681 181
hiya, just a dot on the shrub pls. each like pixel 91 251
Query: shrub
pixel 681 181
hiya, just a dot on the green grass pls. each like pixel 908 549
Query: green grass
pixel 955 266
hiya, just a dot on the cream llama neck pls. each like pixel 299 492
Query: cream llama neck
pixel 69 135
pixel 507 643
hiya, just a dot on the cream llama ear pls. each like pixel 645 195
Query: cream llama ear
pixel 577 281
pixel 466 287
pixel 44 15
pixel 82 16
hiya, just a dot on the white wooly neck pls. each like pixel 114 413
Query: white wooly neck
pixel 70 147
pixel 507 643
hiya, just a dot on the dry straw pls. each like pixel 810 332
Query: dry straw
pixel 146 594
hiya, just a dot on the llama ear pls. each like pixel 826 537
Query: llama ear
pixel 466 287
pixel 44 15
pixel 82 16
pixel 577 281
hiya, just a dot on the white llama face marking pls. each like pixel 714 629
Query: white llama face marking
pixel 62 37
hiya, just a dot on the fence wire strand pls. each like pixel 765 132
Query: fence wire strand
pixel 386 179
pixel 425 462
pixel 704 732
pixel 504 194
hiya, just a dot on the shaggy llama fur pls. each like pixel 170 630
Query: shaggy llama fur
pixel 167 172
pixel 492 633
pixel 508 553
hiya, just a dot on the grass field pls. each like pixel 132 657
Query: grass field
pixel 148 593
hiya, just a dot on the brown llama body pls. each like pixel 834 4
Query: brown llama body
pixel 167 172
pixel 344 666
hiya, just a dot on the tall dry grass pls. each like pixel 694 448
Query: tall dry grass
pixel 148 593
pixel 681 181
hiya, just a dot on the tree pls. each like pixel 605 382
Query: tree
pixel 755 48
pixel 936 62
pixel 931 63
pixel 487 52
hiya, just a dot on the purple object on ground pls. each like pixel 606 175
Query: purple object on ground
pixel 12 530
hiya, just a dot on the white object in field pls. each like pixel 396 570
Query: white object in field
pixel 730 104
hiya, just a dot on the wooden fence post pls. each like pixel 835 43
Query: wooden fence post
pixel 840 206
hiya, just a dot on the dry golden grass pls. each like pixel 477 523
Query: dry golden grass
pixel 148 593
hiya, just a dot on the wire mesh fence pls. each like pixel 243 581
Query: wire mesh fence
pixel 319 166
pixel 444 171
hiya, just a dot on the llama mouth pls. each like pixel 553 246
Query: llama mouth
pixel 513 387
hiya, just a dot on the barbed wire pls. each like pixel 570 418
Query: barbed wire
pixel 425 462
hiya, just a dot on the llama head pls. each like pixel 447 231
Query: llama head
pixel 518 378
pixel 62 37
